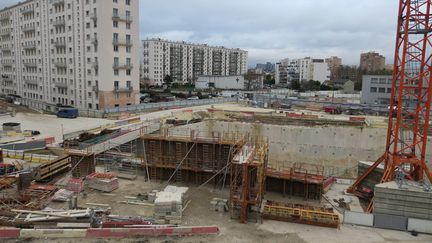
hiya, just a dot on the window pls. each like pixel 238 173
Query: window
pixel 389 90
pixel 114 1
pixel 115 24
pixel 116 84
pixel 116 72
pixel 128 26
pixel 381 90
pixel 374 80
pixel 116 48
pixel 127 2
pixel 373 89
pixel 128 72
pixel 128 84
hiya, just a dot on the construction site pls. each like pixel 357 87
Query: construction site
pixel 230 172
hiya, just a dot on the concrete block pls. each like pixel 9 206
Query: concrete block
pixel 358 218
pixel 420 225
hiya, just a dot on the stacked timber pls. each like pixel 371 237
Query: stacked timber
pixel 411 200
pixel 168 206
pixel 53 168
pixel 106 182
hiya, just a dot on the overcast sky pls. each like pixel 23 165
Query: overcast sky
pixel 274 29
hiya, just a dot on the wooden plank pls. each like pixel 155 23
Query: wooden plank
pixel 74 225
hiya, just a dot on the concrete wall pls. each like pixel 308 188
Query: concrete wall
pixel 338 149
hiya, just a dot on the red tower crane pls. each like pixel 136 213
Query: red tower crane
pixel 410 101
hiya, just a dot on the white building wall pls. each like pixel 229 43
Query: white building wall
pixel 321 72
pixel 62 53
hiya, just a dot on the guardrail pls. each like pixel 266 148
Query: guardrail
pixel 29 157
pixel 148 106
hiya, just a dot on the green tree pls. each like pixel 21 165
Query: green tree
pixel 295 85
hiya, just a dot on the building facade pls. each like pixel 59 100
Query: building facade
pixel 185 62
pixel 334 64
pixel 376 89
pixel 372 61
pixel 221 82
pixel 81 53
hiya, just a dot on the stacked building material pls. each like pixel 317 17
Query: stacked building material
pixel 219 205
pixel 411 200
pixel 62 195
pixel 75 185
pixel 168 207
pixel 106 182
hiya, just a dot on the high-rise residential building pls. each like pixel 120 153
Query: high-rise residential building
pixel 334 64
pixel 372 61
pixel 287 71
pixel 185 62
pixel 82 53
pixel 314 69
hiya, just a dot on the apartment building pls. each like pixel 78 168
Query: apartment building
pixel 81 53
pixel 304 69
pixel 372 61
pixel 185 62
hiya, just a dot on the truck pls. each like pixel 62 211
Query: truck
pixel 67 113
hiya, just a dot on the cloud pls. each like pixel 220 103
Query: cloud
pixel 275 29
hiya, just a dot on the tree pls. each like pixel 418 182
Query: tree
pixel 295 85
pixel 269 80
pixel 168 79
pixel 311 85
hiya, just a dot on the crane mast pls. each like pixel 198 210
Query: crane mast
pixel 410 100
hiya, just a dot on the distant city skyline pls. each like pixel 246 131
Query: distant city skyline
pixel 275 29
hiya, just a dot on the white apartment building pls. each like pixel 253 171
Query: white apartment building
pixel 185 62
pixel 82 53
pixel 305 69
pixel 314 69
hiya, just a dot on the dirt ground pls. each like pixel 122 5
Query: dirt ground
pixel 198 213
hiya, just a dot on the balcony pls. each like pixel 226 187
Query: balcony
pixel 30 64
pixel 118 66
pixel 29 46
pixel 7 64
pixel 6 33
pixel 124 18
pixel 29 28
pixel 60 44
pixel 95 88
pixel 59 22
pixel 123 89
pixel 4 17
pixel 93 16
pixel 31 81
pixel 57 2
pixel 7 79
pixel 60 64
pixel 122 42
pixel 61 85
pixel 27 10
pixel 94 41
pixel 95 65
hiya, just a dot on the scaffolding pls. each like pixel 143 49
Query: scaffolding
pixel 188 157
pixel 247 184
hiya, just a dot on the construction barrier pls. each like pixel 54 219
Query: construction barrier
pixel 14 233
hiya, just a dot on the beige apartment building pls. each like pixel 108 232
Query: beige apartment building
pixel 372 61
pixel 185 62
pixel 81 53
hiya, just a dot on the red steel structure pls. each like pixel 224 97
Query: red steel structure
pixel 410 100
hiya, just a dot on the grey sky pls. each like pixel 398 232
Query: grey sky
pixel 274 29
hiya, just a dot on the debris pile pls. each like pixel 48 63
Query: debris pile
pixel 62 195
pixel 219 205
pixel 106 182
pixel 168 207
